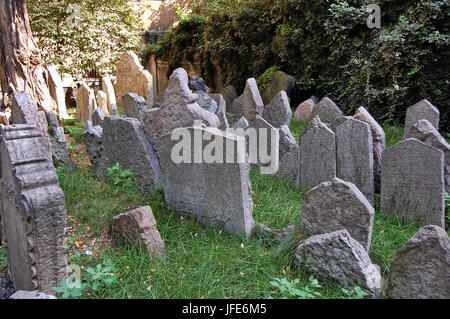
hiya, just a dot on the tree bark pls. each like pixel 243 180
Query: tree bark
pixel 21 64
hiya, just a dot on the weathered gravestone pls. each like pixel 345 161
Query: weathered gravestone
pixel 305 110
pixel 336 205
pixel 241 123
pixel 289 155
pixel 86 103
pixel 423 110
pixel 133 78
pixel 378 143
pixel 209 182
pixel 354 156
pixel 93 136
pixel 317 155
pixel 327 110
pixel 206 102
pixel 178 109
pixel 124 142
pixel 108 88
pixel 102 102
pixel 249 104
pixel 425 132
pixel 421 268
pixel 55 86
pixel 134 105
pixel 33 210
pixel 138 225
pixel 221 111
pixel 280 82
pixel 338 256
pixel 98 117
pixel 412 182
pixel 278 112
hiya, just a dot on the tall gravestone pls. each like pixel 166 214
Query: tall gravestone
pixel 423 110
pixel 124 142
pixel 249 104
pixel 86 103
pixel 56 89
pixel 412 182
pixel 133 78
pixel 354 156
pixel 108 88
pixel 209 182
pixel 289 155
pixel 317 155
pixel 33 210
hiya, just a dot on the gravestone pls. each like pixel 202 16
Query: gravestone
pixel 280 82
pixel 133 78
pixel 423 110
pixel 102 102
pixel 33 210
pixel 378 143
pixel 134 105
pixel 249 104
pixel 354 156
pixel 421 268
pixel 108 88
pixel 216 192
pixel 124 142
pixel 86 103
pixel 339 257
pixel 317 155
pixel 289 155
pixel 304 110
pixel 55 86
pixel 206 102
pixel 197 84
pixel 98 117
pixel 241 123
pixel 425 132
pixel 92 137
pixel 278 112
pixel 178 109
pixel 412 182
pixel 138 225
pixel 221 111
pixel 336 205
pixel 327 110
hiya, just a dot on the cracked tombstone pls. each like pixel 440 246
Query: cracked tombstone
pixel 423 110
pixel 338 256
pixel 208 181
pixel 317 154
pixel 412 182
pixel 249 104
pixel 336 205
pixel 33 210
pixel 124 142
pixel 178 109
pixel 421 268
pixel 354 156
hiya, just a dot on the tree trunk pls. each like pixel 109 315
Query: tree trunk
pixel 21 64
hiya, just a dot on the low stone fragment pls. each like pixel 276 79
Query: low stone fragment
pixel 338 256
pixel 138 225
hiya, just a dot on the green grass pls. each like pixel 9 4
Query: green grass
pixel 297 128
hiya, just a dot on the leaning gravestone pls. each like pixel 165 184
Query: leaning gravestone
pixel 124 142
pixel 278 112
pixel 55 86
pixel 423 110
pixel 133 78
pixel 86 103
pixel 317 155
pixel 221 111
pixel 336 205
pixel 216 192
pixel 134 105
pixel 412 182
pixel 425 132
pixel 178 109
pixel 421 268
pixel 33 210
pixel 249 104
pixel 378 142
pixel 339 257
pixel 289 155
pixel 108 88
pixel 327 110
pixel 354 156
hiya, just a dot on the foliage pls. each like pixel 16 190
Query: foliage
pixel 327 46
pixel 70 292
pixel 120 177
pixel 106 29
pixel 447 205
pixel 3 260
pixel 264 79
pixel 290 289
pixel 355 293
